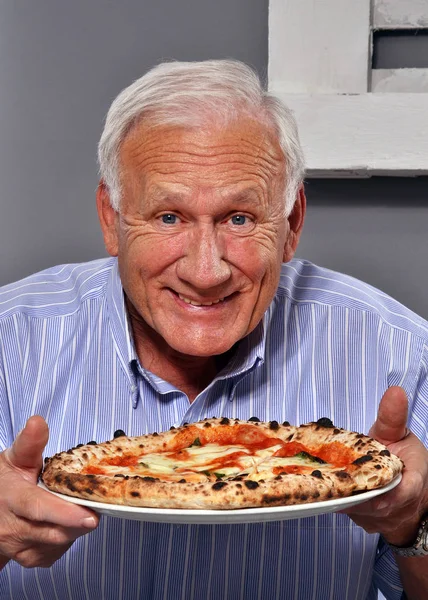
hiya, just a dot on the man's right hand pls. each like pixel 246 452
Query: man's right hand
pixel 36 527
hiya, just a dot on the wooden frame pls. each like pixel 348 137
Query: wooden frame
pixel 353 121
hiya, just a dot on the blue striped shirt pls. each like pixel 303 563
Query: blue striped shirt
pixel 328 345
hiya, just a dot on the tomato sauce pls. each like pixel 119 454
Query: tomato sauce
pixel 242 435
pixel 291 449
pixel 127 460
pixel 293 469
pixel 336 454
pixel 93 470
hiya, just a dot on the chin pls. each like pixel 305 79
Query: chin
pixel 203 350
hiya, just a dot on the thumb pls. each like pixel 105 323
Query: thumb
pixel 26 450
pixel 390 424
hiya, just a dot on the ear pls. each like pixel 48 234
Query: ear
pixel 295 221
pixel 108 219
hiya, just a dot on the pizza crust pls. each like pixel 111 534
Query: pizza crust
pixel 372 467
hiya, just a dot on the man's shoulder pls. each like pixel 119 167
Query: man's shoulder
pixel 304 282
pixel 56 291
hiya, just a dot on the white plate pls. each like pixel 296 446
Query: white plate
pixel 242 515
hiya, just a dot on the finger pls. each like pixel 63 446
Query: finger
pixel 40 556
pixel 34 504
pixel 390 425
pixel 26 450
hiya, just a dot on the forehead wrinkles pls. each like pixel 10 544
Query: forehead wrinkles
pixel 234 153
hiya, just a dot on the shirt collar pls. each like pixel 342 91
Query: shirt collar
pixel 250 350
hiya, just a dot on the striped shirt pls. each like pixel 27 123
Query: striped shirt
pixel 328 345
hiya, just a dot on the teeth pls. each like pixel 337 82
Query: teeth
pixel 193 303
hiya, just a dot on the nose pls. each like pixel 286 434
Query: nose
pixel 203 263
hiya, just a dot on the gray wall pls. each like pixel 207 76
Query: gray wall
pixel 62 63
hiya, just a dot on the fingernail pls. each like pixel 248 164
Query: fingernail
pixel 88 523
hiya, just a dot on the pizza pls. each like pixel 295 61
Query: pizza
pixel 223 463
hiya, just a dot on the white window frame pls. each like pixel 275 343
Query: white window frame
pixel 353 122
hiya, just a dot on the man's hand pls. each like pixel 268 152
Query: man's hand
pixel 397 514
pixel 36 528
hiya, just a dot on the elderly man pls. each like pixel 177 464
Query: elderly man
pixel 202 310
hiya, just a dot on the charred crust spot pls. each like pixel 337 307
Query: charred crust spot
pixel 251 485
pixel 155 434
pixel 89 491
pixel 303 497
pixel 47 459
pixel 182 481
pixel 358 443
pixel 342 475
pixel 336 430
pixel 126 477
pixel 317 473
pixel 278 478
pixel 239 485
pixel 207 424
pixel 378 466
pixel 141 446
pixel 297 496
pixel 325 422
pixel 290 437
pixel 70 485
pixel 224 421
pixel 274 425
pixel 79 445
pixel 85 455
pixel 286 424
pixel 58 478
pixel 269 499
pixel 135 494
pixel 237 478
pixel 329 494
pixel 315 495
pixel 69 451
pixel 118 449
pixel 254 419
pixel 385 452
pixel 119 475
pixel 363 459
pixel 147 478
pixel 92 443
pixel 185 424
pixel 119 433
pixel 360 435
pixel 90 476
pixel 219 485
pixel 172 428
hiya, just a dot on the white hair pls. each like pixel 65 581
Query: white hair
pixel 189 93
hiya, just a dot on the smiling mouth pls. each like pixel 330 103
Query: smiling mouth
pixel 196 303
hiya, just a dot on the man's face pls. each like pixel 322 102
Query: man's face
pixel 201 233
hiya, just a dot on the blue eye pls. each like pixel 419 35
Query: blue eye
pixel 239 220
pixel 169 219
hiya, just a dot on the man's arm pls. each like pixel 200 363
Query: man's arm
pixel 398 514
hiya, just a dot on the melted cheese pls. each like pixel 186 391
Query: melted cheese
pixel 205 462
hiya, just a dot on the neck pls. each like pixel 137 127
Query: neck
pixel 190 374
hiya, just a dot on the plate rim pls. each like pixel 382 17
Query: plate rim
pixel 220 515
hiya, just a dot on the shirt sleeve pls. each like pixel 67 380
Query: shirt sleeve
pixel 386 575
pixel 6 436
pixel 3 416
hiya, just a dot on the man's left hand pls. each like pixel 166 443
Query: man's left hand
pixel 397 514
